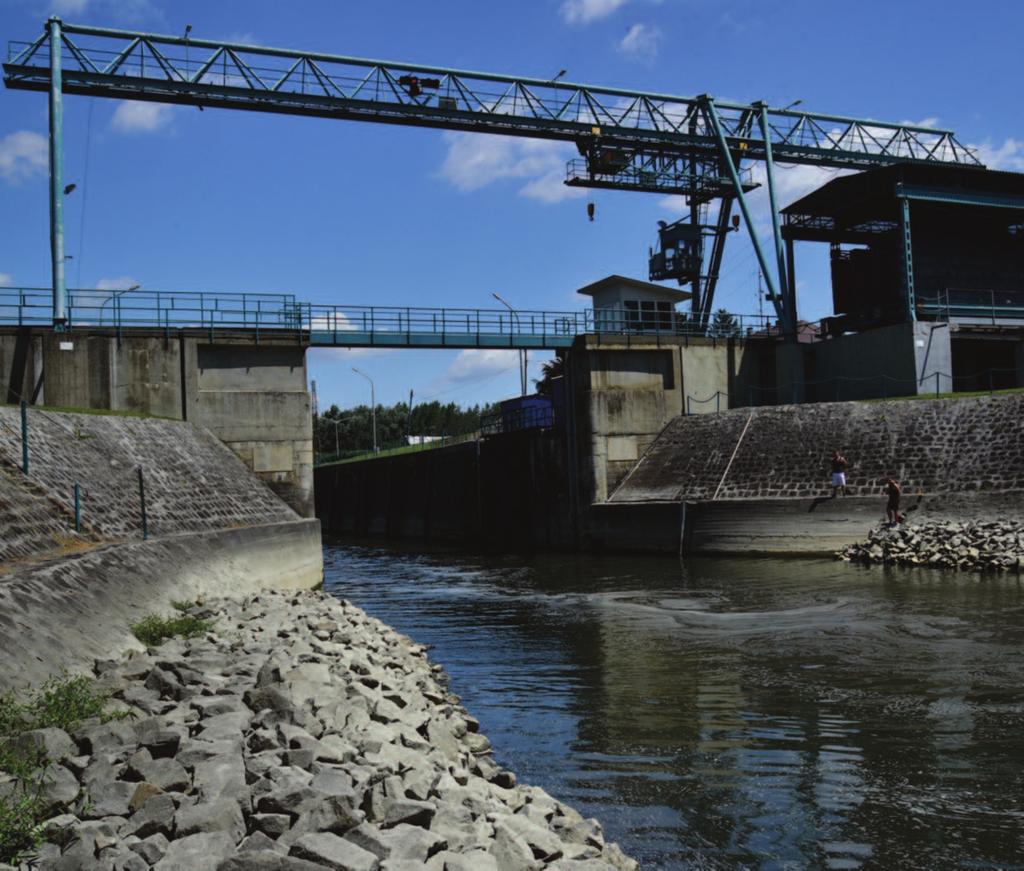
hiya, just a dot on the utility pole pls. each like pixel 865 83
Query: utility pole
pixel 408 425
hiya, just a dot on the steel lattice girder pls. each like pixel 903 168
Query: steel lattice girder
pixel 141 66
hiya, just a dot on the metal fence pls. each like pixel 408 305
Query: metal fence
pixel 988 305
pixel 842 388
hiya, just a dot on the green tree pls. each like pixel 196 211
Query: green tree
pixel 549 371
pixel 724 324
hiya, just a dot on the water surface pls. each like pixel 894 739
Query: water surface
pixel 720 713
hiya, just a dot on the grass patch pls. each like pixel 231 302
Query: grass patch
pixel 154 630
pixel 183 605
pixel 100 412
pixel 20 835
pixel 61 702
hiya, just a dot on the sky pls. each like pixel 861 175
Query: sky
pixel 354 213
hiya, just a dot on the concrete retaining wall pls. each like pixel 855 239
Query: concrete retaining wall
pixel 64 614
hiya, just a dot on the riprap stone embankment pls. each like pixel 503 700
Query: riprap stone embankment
pixel 298 734
pixel 979 546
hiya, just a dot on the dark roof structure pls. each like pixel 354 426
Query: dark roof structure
pixel 859 207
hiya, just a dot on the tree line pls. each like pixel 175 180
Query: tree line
pixel 350 431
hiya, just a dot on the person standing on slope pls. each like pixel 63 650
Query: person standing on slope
pixel 839 465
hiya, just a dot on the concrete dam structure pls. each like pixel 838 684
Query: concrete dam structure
pixel 741 481
pixel 211 528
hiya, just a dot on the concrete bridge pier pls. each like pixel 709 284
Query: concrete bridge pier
pixel 252 396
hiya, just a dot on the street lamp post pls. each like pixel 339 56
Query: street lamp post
pixel 116 298
pixel 373 405
pixel 522 351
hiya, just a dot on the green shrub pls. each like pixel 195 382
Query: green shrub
pixel 152 630
pixel 61 702
pixel 182 605
pixel 20 835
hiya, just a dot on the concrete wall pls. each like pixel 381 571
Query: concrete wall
pixel 65 614
pixel 508 491
pixel 627 389
pixel 853 366
pixel 251 396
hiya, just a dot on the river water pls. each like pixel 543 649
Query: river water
pixel 724 713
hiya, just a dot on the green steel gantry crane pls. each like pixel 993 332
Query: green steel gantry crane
pixel 628 140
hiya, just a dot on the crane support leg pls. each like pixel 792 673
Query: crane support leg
pixel 60 301
pixel 785 286
pixel 723 146
pixel 715 264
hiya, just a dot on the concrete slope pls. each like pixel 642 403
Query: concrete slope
pixel 192 481
pixel 30 524
pixel 973 445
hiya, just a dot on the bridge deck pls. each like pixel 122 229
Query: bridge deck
pixel 277 316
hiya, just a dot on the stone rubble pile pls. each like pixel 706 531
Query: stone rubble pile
pixel 988 546
pixel 299 734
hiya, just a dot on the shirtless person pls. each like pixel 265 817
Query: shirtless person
pixel 892 507
pixel 839 466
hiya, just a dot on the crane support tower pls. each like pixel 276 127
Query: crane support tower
pixel 627 140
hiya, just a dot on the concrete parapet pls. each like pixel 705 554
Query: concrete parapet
pixel 64 614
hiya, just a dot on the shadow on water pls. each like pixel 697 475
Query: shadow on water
pixel 722 713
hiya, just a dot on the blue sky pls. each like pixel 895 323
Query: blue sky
pixel 358 213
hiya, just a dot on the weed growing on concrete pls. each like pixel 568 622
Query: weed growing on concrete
pixel 153 630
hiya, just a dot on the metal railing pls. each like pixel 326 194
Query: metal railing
pixel 517 419
pixel 347 325
pixel 990 305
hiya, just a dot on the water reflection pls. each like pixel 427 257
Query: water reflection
pixel 726 713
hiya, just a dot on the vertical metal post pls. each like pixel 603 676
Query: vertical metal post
pixel 789 295
pixel 936 385
pixel 741 197
pixel 24 436
pixel 78 507
pixel 906 255
pixel 60 302
pixel 142 504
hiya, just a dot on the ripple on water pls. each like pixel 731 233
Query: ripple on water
pixel 734 713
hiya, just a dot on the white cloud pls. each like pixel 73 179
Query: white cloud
pixel 6 279
pixel 68 7
pixel 475 363
pixel 122 283
pixel 1008 156
pixel 585 11
pixel 476 160
pixel 123 10
pixel 135 117
pixel 641 42
pixel 23 154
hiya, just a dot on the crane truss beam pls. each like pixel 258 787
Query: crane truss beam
pixel 142 66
